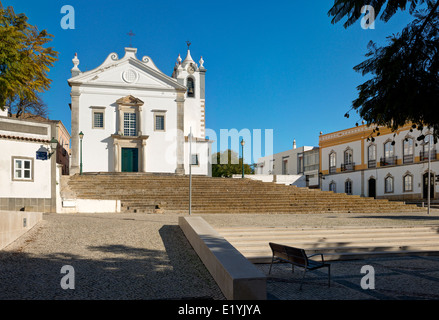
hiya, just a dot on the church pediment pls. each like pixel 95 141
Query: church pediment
pixel 130 100
pixel 127 72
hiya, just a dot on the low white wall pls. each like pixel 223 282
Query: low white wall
pixel 237 277
pixel 89 206
pixel 14 224
pixel 296 180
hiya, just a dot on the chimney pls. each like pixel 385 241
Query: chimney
pixel 294 144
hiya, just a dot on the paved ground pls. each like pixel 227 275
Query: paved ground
pixel 140 256
pixel 113 256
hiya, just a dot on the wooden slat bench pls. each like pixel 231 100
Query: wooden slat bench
pixel 297 257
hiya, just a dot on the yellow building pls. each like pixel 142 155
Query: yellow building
pixel 392 165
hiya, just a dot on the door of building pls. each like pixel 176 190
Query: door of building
pixel 425 186
pixel 130 160
pixel 372 188
pixel 285 167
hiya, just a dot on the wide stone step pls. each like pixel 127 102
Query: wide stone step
pixel 335 243
pixel 169 193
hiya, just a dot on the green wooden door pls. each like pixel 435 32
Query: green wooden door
pixel 130 162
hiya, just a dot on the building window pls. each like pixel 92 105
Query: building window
pixel 129 124
pixel 348 156
pixel 348 187
pixel 408 150
pixel 190 88
pixel 311 160
pixel 372 156
pixel 333 186
pixel 300 163
pixel 428 148
pixel 389 154
pixel 159 123
pixel 389 150
pixel 348 164
pixel 22 169
pixel 408 183
pixel 388 184
pixel 98 119
pixel 194 160
pixel 332 162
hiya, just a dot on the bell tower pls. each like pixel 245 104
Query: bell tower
pixel 192 75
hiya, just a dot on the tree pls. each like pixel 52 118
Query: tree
pixel 227 164
pixel 404 83
pixel 25 108
pixel 24 61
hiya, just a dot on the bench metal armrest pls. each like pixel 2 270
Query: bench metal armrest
pixel 317 254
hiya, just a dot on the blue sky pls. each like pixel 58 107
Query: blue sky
pixel 277 65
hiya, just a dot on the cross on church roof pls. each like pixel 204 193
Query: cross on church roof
pixel 131 34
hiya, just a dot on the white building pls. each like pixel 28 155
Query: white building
pixel 298 166
pixel 134 118
pixel 392 167
pixel 27 164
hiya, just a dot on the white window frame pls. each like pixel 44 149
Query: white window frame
pixel 408 147
pixel 389 188
pixel 407 175
pixel 372 156
pixel 94 111
pixel 127 130
pixel 99 125
pixel 156 116
pixel 389 150
pixel 21 169
pixel 348 156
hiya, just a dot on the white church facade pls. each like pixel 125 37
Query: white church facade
pixel 134 118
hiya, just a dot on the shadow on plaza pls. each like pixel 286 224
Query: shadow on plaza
pixel 112 271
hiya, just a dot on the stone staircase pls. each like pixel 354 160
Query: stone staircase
pixel 165 193
pixel 337 243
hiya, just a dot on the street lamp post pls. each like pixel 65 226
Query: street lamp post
pixel 429 174
pixel 242 144
pixel 190 171
pixel 81 136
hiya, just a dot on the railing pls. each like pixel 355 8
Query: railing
pixel 424 155
pixel 408 158
pixel 371 163
pixel 388 161
pixel 332 169
pixel 348 166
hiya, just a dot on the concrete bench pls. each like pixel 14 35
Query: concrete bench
pixel 237 278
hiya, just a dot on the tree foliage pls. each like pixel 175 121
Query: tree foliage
pixel 24 61
pixel 227 163
pixel 351 9
pixel 25 108
pixel 404 83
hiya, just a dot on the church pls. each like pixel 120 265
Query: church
pixel 128 116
